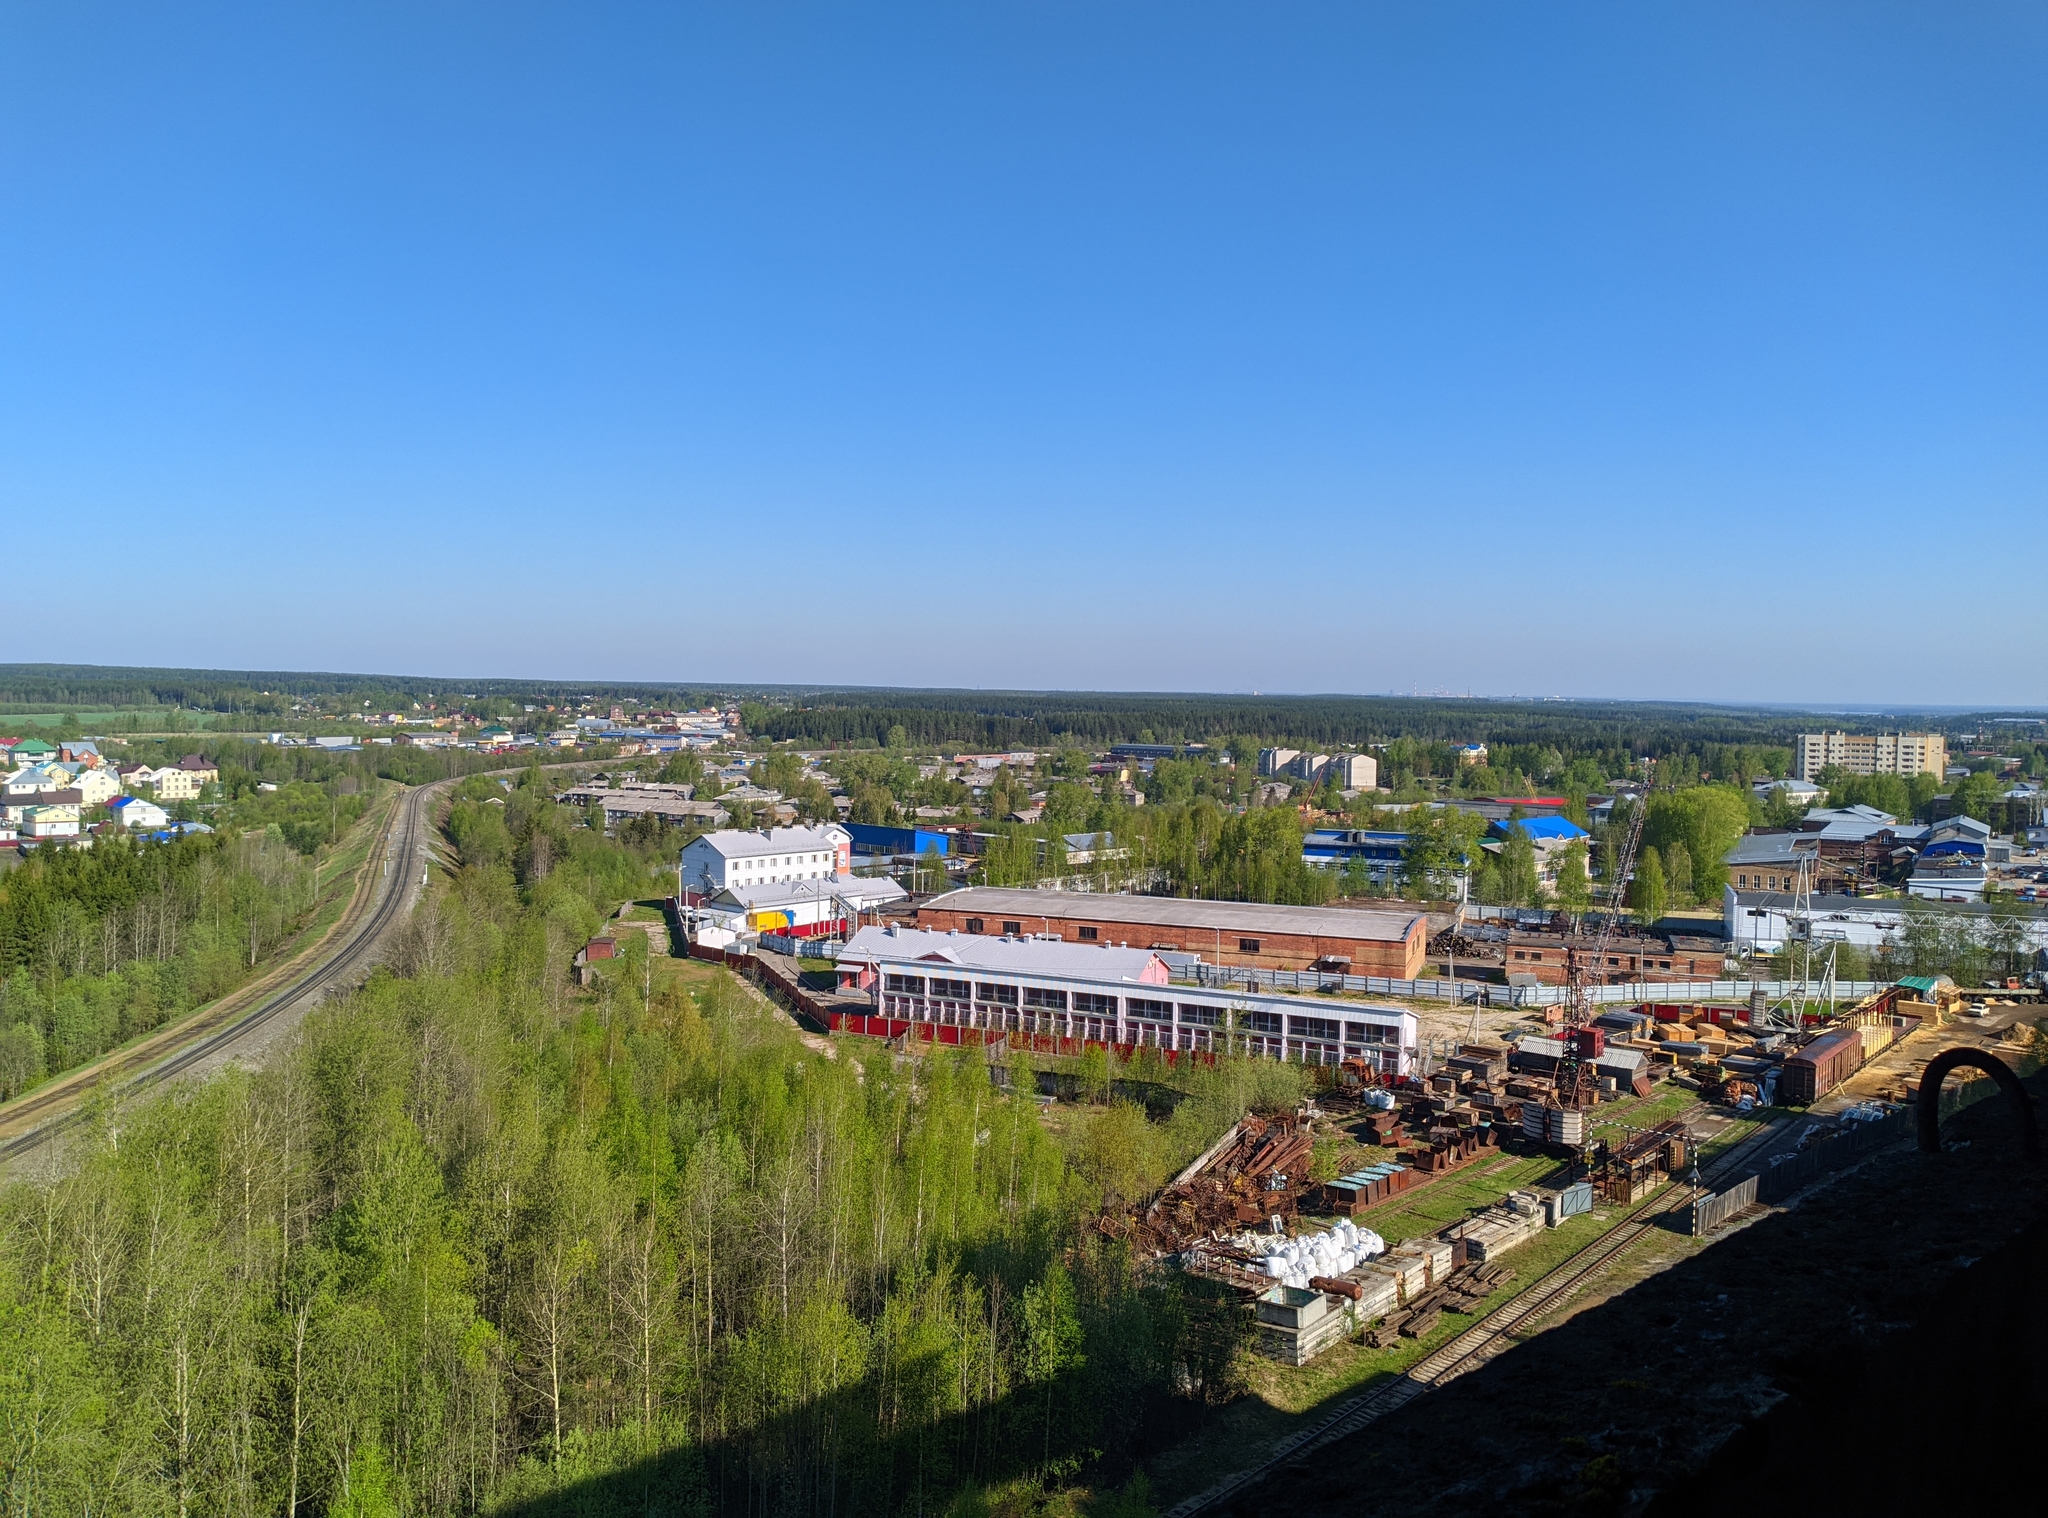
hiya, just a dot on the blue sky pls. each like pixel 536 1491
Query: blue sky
pixel 1689 350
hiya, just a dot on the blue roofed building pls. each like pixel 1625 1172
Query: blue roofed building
pixel 1555 831
pixel 1380 852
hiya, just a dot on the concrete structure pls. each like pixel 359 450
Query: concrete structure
pixel 1274 761
pixel 1391 943
pixel 962 988
pixel 1297 1323
pixel 1308 767
pixel 1869 754
pixel 1356 772
pixel 1767 920
pixel 731 857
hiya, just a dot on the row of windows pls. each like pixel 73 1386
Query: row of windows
pixel 1086 934
pixel 1767 882
pixel 1099 1004
pixel 1613 960
pixel 1154 1035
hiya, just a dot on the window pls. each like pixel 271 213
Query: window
pixel 1247 946
pixel 1315 1027
pixel 974 924
pixel 959 990
pixel 1002 996
pixel 1201 1017
pixel 1520 955
pixel 1086 935
pixel 1358 1033
pixel 1035 997
pixel 1262 1022
pixel 913 984
pixel 1138 1006
pixel 1101 1006
pixel 1013 928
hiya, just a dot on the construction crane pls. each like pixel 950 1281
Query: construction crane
pixel 1574 1072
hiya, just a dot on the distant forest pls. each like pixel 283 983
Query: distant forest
pixel 1005 719
pixel 860 716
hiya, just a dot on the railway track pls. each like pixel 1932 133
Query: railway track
pixel 404 851
pixel 1491 1334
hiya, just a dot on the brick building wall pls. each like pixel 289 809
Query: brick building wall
pixel 1081 921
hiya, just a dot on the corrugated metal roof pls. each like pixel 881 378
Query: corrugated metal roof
pixel 1025 956
pixel 1180 912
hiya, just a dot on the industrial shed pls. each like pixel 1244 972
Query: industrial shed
pixel 1362 941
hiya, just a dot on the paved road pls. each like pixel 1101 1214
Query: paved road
pixel 29 1124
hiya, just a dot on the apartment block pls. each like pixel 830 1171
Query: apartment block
pixel 1870 754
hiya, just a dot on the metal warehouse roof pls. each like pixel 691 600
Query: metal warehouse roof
pixel 735 843
pixel 1028 956
pixel 1180 912
pixel 1540 828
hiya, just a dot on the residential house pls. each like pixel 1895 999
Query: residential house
pixel 134 813
pixel 34 781
pixel 49 821
pixel 95 786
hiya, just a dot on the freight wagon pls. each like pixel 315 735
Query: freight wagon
pixel 1821 1066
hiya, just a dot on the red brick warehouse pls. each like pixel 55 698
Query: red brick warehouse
pixel 1362 942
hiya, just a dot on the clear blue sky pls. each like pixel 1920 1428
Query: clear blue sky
pixel 1684 350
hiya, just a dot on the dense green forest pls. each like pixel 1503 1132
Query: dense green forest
pixel 482 1241
pixel 100 945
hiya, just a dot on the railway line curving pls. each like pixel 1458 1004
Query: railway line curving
pixel 53 1112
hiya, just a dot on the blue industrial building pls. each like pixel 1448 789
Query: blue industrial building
pixel 872 840
pixel 1333 848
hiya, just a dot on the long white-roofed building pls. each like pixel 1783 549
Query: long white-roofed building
pixel 953 988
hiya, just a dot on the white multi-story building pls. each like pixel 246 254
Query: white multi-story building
pixel 1870 754
pixel 1274 761
pixel 767 856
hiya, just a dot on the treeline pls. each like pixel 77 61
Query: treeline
pixel 480 1241
pixel 993 720
pixel 100 945
pixel 42 687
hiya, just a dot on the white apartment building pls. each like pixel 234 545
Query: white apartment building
pixel 1274 761
pixel 768 856
pixel 1870 754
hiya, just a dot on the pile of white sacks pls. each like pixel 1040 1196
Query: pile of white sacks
pixel 1330 1253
